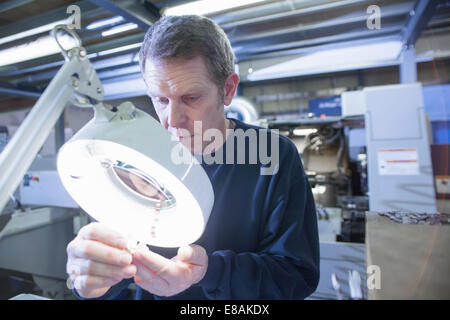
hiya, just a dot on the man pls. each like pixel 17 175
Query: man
pixel 261 240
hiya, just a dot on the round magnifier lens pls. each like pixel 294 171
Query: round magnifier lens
pixel 143 185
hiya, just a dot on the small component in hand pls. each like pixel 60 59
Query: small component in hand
pixel 132 246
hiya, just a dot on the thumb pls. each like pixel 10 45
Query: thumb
pixel 193 254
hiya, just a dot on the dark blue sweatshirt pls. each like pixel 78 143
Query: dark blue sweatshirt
pixel 261 237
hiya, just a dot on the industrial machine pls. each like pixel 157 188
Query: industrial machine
pixel 399 169
pixel 331 148
pixel 376 156
pixel 398 147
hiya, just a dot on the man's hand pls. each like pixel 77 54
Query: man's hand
pixel 167 277
pixel 97 259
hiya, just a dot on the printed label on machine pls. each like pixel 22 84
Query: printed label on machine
pixel 398 161
pixel 443 184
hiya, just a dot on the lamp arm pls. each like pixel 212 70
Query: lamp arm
pixel 78 78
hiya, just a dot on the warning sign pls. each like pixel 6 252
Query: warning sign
pixel 398 161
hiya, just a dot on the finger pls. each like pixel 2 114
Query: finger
pixel 149 287
pixel 143 274
pixel 152 260
pixel 90 267
pixel 88 282
pixel 193 254
pixel 99 232
pixel 99 252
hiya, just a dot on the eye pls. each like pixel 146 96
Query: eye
pixel 191 98
pixel 161 100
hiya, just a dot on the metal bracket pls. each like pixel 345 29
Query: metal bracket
pixel 85 81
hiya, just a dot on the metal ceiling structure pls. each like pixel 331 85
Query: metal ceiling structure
pixel 271 28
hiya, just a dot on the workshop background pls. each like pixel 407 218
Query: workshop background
pixel 361 87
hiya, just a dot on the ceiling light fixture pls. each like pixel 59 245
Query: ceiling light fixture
pixel 119 49
pixel 40 47
pixel 333 60
pixel 104 22
pixel 204 7
pixel 119 29
pixel 33 32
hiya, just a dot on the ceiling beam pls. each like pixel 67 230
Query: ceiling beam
pixel 12 4
pixel 264 9
pixel 143 14
pixel 56 60
pixel 45 18
pixel 292 13
pixel 296 32
pixel 16 104
pixel 420 16
pixel 8 89
pixel 290 48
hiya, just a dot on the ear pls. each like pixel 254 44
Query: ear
pixel 231 84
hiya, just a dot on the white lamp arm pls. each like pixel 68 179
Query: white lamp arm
pixel 76 78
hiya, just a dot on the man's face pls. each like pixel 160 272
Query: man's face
pixel 182 92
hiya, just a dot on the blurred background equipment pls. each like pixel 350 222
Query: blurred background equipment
pixel 398 147
pixel 242 109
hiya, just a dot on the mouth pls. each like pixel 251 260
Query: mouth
pixel 183 138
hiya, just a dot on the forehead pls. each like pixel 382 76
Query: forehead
pixel 175 74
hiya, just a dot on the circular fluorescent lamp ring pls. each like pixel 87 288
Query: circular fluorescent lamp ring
pixel 118 168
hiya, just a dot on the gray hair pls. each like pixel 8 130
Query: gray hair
pixel 186 37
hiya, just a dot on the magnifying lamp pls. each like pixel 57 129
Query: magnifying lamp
pixel 119 167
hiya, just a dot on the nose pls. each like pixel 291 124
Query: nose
pixel 176 117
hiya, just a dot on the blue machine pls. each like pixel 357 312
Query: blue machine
pixel 329 106
pixel 437 106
